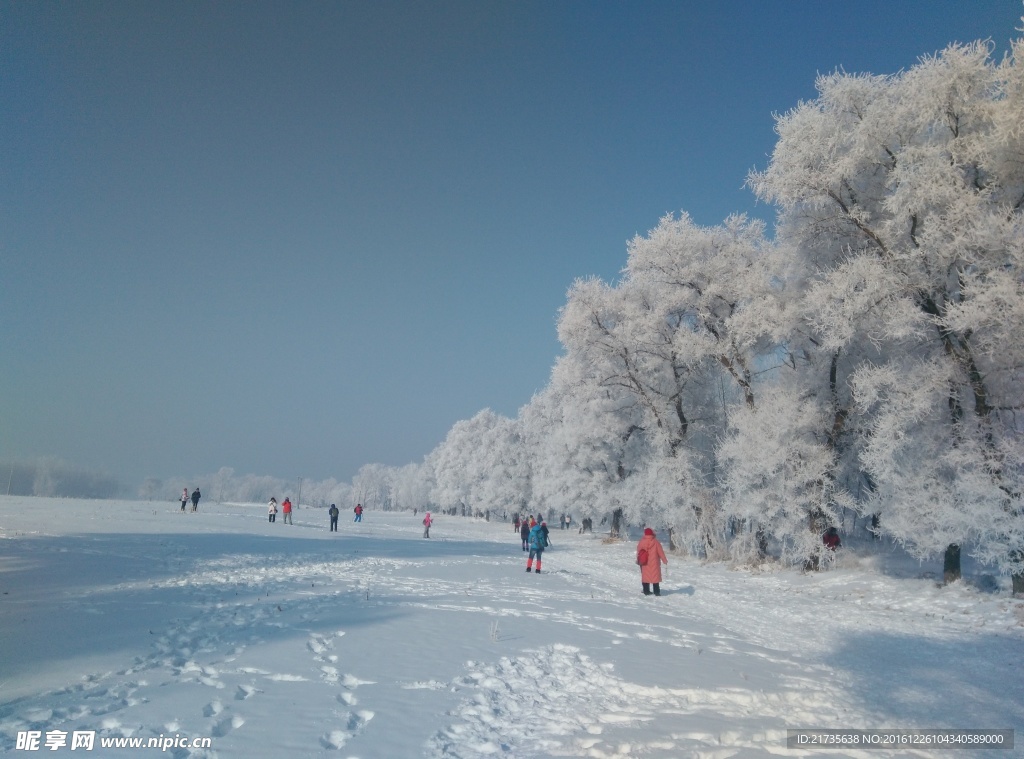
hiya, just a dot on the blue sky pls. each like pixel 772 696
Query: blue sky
pixel 293 238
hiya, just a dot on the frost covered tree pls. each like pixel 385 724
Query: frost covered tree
pixel 717 307
pixel 710 292
pixel 681 339
pixel 776 478
pixel 481 466
pixel 373 486
pixel 412 484
pixel 584 440
pixel 905 194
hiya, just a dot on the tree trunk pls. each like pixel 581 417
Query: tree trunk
pixel 1018 577
pixel 1018 584
pixel 616 523
pixel 762 543
pixel 951 564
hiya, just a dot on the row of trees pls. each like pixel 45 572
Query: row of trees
pixel 743 391
pixel 227 486
pixel 52 477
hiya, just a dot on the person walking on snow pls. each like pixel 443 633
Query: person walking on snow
pixel 333 513
pixel 524 533
pixel 184 499
pixel 427 521
pixel 286 509
pixel 359 513
pixel 272 510
pixel 515 523
pixel 538 542
pixel 196 495
pixel 650 556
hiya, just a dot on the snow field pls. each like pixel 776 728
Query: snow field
pixel 280 640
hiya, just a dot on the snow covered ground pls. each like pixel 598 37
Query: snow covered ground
pixel 132 619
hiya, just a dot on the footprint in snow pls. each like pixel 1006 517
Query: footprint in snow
pixel 354 724
pixel 245 691
pixel 424 685
pixel 351 681
pixel 318 644
pixel 224 726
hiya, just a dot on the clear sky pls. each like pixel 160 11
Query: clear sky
pixel 296 237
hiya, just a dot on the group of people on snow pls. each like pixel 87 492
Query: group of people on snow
pixel 535 537
pixel 533 533
pixel 196 495
pixel 286 509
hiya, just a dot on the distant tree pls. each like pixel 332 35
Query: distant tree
pixel 153 489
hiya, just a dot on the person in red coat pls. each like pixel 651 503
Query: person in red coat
pixel 653 554
pixel 286 509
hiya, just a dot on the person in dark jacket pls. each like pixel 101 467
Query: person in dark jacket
pixel 831 539
pixel 333 513
pixel 524 532
pixel 196 495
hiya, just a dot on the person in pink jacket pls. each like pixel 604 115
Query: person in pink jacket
pixel 650 556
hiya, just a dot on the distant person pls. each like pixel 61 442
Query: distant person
pixel 272 510
pixel 286 509
pixel 184 499
pixel 515 522
pixel 538 542
pixel 196 495
pixel 333 513
pixel 587 525
pixel 358 512
pixel 524 533
pixel 650 556
pixel 831 539
pixel 427 521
